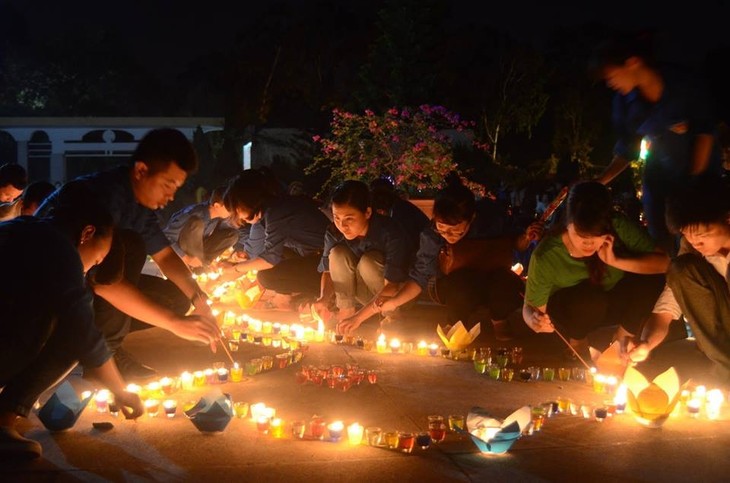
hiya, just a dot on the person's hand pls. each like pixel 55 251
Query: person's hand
pixel 228 272
pixel 605 251
pixel 535 231
pixel 634 351
pixel 129 403
pixel 347 326
pixel 197 328
pixel 239 256
pixel 540 322
pixel 320 309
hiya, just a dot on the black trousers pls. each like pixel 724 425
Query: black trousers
pixel 30 365
pixel 294 274
pixel 465 290
pixel 580 309
pixel 194 242
pixel 114 324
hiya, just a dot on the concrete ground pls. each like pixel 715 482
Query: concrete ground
pixel 409 388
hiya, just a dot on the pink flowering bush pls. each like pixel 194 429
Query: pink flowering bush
pixel 411 147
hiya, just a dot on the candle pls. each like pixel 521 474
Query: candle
pixel 186 381
pixel 714 402
pixel 380 344
pixel 297 429
pixel 277 428
pixel 257 410
pixel 263 424
pixel 101 399
pixel 422 348
pixel 335 429
pixel 210 376
pixel 611 383
pixel 395 346
pixel 170 406
pixel 354 433
pixel 133 388
pixel 152 406
pixel 599 383
pixel 229 318
pixel 620 398
pixel 240 409
pixel 236 372
pixel 198 379
pixel 168 385
pixel 433 350
pixel 693 407
pixel 316 427
pixel 267 328
pixel 222 375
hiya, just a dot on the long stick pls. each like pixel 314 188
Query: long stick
pixel 561 337
pixel 223 344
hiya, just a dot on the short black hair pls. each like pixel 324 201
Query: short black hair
pixel 160 147
pixel 701 202
pixel 590 208
pixel 13 174
pixel 251 190
pixel 37 191
pixel 352 193
pixel 617 49
pixel 454 204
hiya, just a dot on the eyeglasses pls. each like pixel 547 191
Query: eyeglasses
pixel 456 231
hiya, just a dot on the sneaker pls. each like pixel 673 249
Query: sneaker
pixel 14 446
pixel 130 368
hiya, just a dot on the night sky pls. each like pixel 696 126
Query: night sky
pixel 166 34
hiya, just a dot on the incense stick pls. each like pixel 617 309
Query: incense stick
pixel 223 344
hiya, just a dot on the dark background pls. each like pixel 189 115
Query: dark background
pixel 287 63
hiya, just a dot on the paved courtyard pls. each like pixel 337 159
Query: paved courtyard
pixel 409 388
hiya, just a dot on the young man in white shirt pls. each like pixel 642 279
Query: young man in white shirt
pixel 697 279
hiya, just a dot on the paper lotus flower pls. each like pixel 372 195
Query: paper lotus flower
pixel 456 337
pixel 609 362
pixel 63 409
pixel 652 402
pixel 212 413
pixel 492 435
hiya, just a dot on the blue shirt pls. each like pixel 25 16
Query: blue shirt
pixel 114 191
pixel 426 266
pixel 44 278
pixel 287 223
pixel 671 125
pixel 412 219
pixel 384 235
pixel 178 221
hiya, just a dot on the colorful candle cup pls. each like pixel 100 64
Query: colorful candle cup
pixel 170 407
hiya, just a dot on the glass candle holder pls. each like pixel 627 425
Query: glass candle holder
pixel 297 429
pixel 600 413
pixel 373 435
pixel 317 426
pixel 537 417
pixel 236 373
pixel 406 441
pixel 267 363
pixel 355 433
pixel 423 440
pixel 152 407
pixel 433 350
pixel 456 422
pixel 391 439
pixel 335 430
pixel 422 348
pixel 167 385
pixel 480 366
pixel 494 370
pixel 170 407
pixel 282 361
pixel 507 374
pixel 276 428
pixel 263 424
pixel 548 374
pixel 101 398
pixel 525 375
pixel 372 377
pixel 563 373
pixel 222 375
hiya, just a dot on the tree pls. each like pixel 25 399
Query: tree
pixel 514 98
